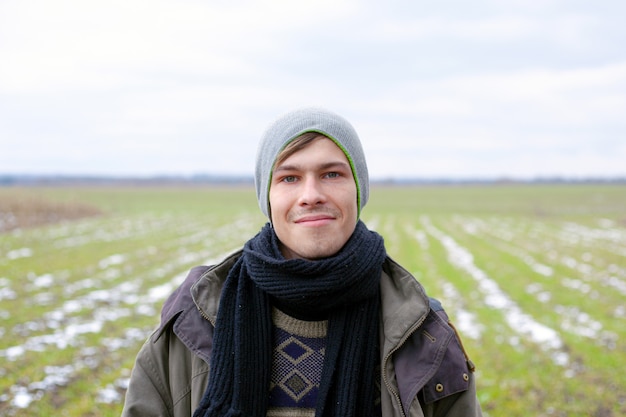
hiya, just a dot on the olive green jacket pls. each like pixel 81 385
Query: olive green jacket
pixel 425 370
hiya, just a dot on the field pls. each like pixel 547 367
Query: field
pixel 533 276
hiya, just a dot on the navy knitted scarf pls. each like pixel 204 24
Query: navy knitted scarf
pixel 344 288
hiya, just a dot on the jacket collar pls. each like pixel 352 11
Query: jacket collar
pixel 207 290
pixel 404 304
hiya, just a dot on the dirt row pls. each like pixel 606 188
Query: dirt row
pixel 26 212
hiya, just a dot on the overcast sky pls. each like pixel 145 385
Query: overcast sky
pixel 457 89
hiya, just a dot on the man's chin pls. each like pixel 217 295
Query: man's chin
pixel 312 252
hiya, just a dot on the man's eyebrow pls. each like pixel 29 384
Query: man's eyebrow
pixel 324 166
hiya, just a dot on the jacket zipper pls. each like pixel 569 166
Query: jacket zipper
pixel 391 389
pixel 203 314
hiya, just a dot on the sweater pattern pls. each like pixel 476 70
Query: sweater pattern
pixel 298 359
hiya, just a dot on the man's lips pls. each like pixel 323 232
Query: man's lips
pixel 314 219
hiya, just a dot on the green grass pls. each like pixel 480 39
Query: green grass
pixel 80 296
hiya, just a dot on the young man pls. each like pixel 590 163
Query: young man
pixel 311 317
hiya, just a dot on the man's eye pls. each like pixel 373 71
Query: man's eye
pixel 332 175
pixel 289 178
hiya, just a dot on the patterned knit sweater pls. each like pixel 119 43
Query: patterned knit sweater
pixel 298 358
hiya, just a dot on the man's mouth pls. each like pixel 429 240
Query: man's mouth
pixel 314 220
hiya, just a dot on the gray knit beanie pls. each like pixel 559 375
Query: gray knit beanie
pixel 291 125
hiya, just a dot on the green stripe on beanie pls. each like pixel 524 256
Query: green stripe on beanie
pixel 293 124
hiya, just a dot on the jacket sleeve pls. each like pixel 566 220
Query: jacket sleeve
pixel 147 394
pixel 169 378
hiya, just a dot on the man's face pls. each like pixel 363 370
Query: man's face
pixel 313 201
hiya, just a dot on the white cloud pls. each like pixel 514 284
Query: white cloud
pixel 568 97
pixel 70 44
pixel 494 29
pixel 459 88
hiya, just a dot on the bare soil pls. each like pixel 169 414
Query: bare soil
pixel 19 212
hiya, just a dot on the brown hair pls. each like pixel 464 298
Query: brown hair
pixel 297 144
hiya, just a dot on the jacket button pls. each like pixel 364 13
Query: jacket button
pixel 439 388
pixel 465 377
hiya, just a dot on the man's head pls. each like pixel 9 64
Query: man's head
pixel 311 181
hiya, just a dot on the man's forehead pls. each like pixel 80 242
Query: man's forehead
pixel 322 165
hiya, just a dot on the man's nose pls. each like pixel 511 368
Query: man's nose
pixel 312 192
